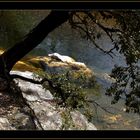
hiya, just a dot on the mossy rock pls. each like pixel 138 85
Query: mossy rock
pixel 34 64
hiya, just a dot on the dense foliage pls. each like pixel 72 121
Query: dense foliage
pixel 123 30
pixel 127 77
pixel 69 91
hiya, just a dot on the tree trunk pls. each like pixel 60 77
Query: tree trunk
pixel 9 58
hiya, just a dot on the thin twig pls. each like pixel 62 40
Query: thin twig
pixel 92 101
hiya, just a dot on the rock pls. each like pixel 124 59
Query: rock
pixel 48 115
pixel 42 101
pixel 62 58
pixel 51 118
pixel 43 104
pixel 26 74
pixel 53 64
pixel 66 59
pixel 81 122
pixel 5 125
pixel 80 64
pixel 22 121
pixel 33 92
pixel 53 69
pixel 66 63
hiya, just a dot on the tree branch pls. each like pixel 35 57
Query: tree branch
pixel 35 37
pixel 82 25
pixel 94 102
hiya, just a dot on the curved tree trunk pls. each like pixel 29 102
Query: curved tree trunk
pixel 9 58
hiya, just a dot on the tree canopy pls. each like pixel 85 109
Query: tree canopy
pixel 124 33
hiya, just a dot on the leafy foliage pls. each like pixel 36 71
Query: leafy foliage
pixel 70 92
pixel 67 121
pixel 127 77
pixel 127 85
pixel 122 28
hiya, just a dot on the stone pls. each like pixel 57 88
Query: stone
pixel 20 120
pixel 5 125
pixel 42 103
pixel 26 74
pixel 81 121
pixel 62 58
pixel 47 112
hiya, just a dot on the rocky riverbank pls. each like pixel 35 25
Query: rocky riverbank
pixel 49 115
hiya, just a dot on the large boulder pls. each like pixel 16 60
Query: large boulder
pixel 62 58
pixel 42 102
pixel 54 64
